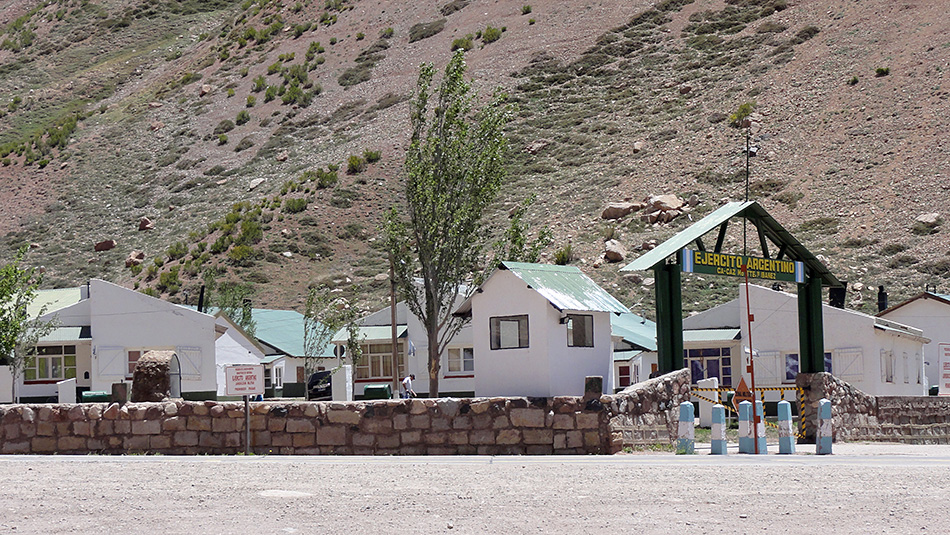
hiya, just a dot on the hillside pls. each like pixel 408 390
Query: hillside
pixel 208 117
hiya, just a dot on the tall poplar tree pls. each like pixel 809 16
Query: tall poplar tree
pixel 453 170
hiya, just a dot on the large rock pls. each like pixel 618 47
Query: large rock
pixel 135 258
pixel 929 219
pixel 105 245
pixel 616 210
pixel 254 183
pixel 614 251
pixel 205 89
pixel 151 380
pixel 146 224
pixel 665 202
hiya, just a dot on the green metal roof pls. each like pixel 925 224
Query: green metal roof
pixel 371 333
pixel 53 300
pixel 566 287
pixel 67 334
pixel 756 215
pixel 711 335
pixel 280 329
pixel 634 329
pixel 626 356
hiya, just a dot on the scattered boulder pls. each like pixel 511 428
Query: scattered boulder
pixel 151 379
pixel 286 232
pixel 665 202
pixel 648 245
pixel 287 254
pixel 633 278
pixel 381 277
pixel 146 224
pixel 205 89
pixel 105 245
pixel 663 209
pixel 929 219
pixel 616 210
pixel 254 183
pixel 135 258
pixel 536 146
pixel 614 251
pixel 637 146
pixel 155 104
pixel 34 245
pixel 156 125
pixel 693 200
pixel 685 89
pixel 282 156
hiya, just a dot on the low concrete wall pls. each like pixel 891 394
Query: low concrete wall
pixel 857 416
pixel 642 414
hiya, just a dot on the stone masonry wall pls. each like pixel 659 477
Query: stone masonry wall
pixel 858 416
pixel 444 426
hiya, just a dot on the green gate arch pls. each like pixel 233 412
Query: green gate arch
pixel 666 262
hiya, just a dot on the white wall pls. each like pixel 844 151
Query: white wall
pixel 933 317
pixel 6 385
pixel 231 348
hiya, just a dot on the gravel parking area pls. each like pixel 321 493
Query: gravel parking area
pixel 862 488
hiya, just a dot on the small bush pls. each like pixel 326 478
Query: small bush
pixel 295 206
pixel 463 43
pixel 387 33
pixel 222 139
pixel 564 255
pixel 332 41
pixel 230 92
pixel 242 117
pixel 531 21
pixel 251 101
pixel 274 68
pixel 820 225
pixel 423 30
pixel 244 144
pixel 360 36
pixel 214 171
pixel 271 93
pixel 525 9
pixel 371 156
pixel 242 255
pixel 260 84
pixel 892 249
pixel 882 71
pixel 741 114
pixel 853 80
pixel 355 165
pixel 176 250
pixel 491 34
pixel 224 126
pixel 805 34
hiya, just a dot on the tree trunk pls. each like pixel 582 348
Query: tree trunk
pixel 432 333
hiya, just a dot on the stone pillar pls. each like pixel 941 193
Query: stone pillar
pixel 719 444
pixel 786 434
pixel 685 441
pixel 746 445
pixel 760 428
pixel 705 407
pixel 823 439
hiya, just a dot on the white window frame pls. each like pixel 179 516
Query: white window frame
pixel 887 366
pixel 50 361
pixel 460 361
pixel 580 330
pixel 278 377
pixel 496 332
pixel 375 360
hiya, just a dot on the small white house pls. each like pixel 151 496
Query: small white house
pixel 233 347
pixel 104 329
pixel 929 312
pixel 878 356
pixel 539 330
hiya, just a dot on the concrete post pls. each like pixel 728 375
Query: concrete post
pixel 746 445
pixel 705 407
pixel 719 444
pixel 823 438
pixel 760 429
pixel 786 434
pixel 685 441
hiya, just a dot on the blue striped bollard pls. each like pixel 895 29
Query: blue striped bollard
pixel 760 429
pixel 719 444
pixel 786 437
pixel 823 439
pixel 685 440
pixel 746 445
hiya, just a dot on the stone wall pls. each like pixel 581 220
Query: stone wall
pixel 857 416
pixel 480 426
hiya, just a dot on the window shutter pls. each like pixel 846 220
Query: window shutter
pixel 111 361
pixel 848 363
pixel 190 359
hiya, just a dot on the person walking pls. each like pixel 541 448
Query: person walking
pixel 407 391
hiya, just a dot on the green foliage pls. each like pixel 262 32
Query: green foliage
pixel 525 9
pixel 453 168
pixel 242 117
pixel 260 84
pixel 371 156
pixel 324 315
pixel 463 43
pixel 491 34
pixel 233 300
pixel 423 30
pixel 224 126
pixel 744 111
pixel 360 36
pixel 355 165
pixel 882 71
pixel 244 144
pixel 295 205
pixel 853 81
pixel 516 244
pixel 531 22
pixel 564 255
pixel 242 255
pixel 176 250
pixel 820 225
pixel 222 139
pixel 251 101
pixel 169 282
pixel 387 33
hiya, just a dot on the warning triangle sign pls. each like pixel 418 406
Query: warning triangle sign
pixel 742 394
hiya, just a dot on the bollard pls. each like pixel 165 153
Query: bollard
pixel 746 445
pixel 685 441
pixel 719 444
pixel 786 435
pixel 760 429
pixel 823 438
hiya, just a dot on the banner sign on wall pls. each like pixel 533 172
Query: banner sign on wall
pixel 735 265
pixel 943 373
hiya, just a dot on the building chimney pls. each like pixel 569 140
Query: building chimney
pixel 836 295
pixel 201 299
pixel 881 299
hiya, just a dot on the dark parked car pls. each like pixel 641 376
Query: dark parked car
pixel 318 387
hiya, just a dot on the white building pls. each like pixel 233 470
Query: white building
pixel 102 331
pixel 929 312
pixel 539 330
pixel 233 347
pixel 878 356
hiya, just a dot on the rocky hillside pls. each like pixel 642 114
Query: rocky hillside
pixel 261 140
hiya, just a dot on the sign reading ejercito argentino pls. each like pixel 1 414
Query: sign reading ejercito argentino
pixel 734 266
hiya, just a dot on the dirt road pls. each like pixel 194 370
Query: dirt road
pixel 860 489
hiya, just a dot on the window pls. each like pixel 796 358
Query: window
pixel 377 362
pixel 708 362
pixel 278 377
pixel 134 357
pixel 887 366
pixel 828 362
pixel 509 332
pixel 580 330
pixel 461 359
pixel 906 369
pixel 50 363
pixel 791 367
pixel 624 376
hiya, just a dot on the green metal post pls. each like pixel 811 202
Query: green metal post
pixel 810 327
pixel 669 317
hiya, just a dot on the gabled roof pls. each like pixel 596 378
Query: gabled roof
pixel 281 330
pixel 634 329
pixel 565 287
pixel 940 298
pixel 755 214
pixel 53 300
pixel 711 335
pixel 371 333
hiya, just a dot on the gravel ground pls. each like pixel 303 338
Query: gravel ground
pixel 862 488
